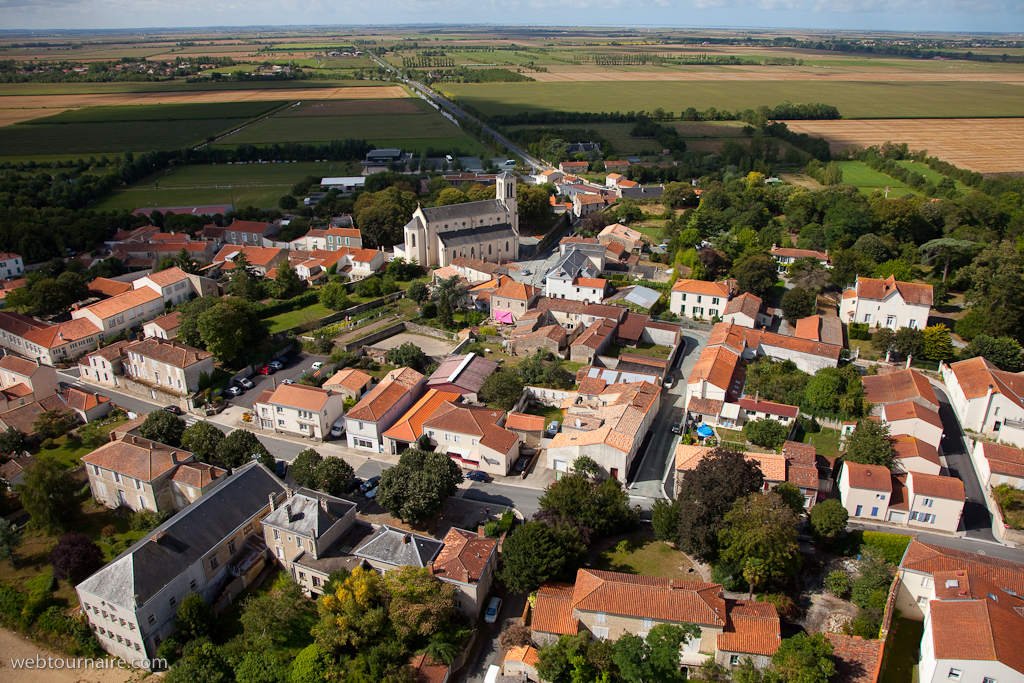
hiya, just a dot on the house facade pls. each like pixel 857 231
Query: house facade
pixel 473 437
pixel 174 367
pixel 985 398
pixel 381 407
pixel 122 312
pixel 300 410
pixel 512 300
pixel 467 560
pixel 700 299
pixel 887 303
pixel 998 464
pixel 11 265
pixel 865 490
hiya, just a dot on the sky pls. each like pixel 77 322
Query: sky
pixel 997 16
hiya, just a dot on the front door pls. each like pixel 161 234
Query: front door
pixel 615 473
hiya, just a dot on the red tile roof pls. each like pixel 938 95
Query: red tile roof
pixel 133 456
pixel 168 351
pixel 718 366
pixel 746 303
pixel 768 407
pixel 750 628
pixel 909 410
pixel 524 423
pixel 301 396
pixel 553 610
pixel 857 660
pixel 123 302
pixel 516 290
pixel 350 378
pixel 18 365
pixel 930 559
pixel 386 394
pixel 807 328
pixel 257 256
pixel 910 447
pixel 167 277
pixel 464 556
pixel 936 486
pixel 704 287
pixel 480 422
pixel 1003 459
pixel 409 427
pixel 799 253
pixel 877 290
pixel 632 326
pixel 976 374
pixel 170 321
pixel 871 477
pixel 108 287
pixel 902 385
pixel 82 400
pixel 650 597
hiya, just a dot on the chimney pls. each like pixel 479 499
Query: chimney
pixel 113 437
pixel 481 531
pixel 134 440
pixel 671 584
pixel 273 503
pixel 430 566
pixel 288 511
pixel 174 457
pixel 406 539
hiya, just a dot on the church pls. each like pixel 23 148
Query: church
pixel 487 230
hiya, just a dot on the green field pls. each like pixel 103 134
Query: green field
pixel 172 86
pixel 868 181
pixel 327 128
pixel 932 176
pixel 854 99
pixel 72 139
pixel 259 185
pixel 623 143
pixel 160 112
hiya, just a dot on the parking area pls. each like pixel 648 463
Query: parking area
pixel 430 345
pixel 295 364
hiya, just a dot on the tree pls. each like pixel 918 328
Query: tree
pixel 804 659
pixel 417 487
pixel 11 441
pixel 286 282
pixel 185 261
pixel 245 282
pixel 407 355
pixel 188 323
pixel 312 665
pixel 418 292
pixel 270 618
pixel 163 427
pixel 502 389
pixel 792 496
pixel 756 274
pixel 665 520
pixel 354 614
pixel 55 423
pixel 451 196
pixel 75 558
pixel 380 216
pixel 938 345
pixel 287 202
pixel 707 493
pixel 995 291
pixel 50 495
pixel 678 195
pixel 809 274
pixel 332 476
pixel 444 313
pixel 765 433
pixel 761 535
pixel 893 268
pixel 195 617
pixel 419 603
pixel 1003 352
pixel 261 666
pixel 201 439
pixel 828 519
pixel 515 635
pixel 798 303
pixel 334 295
pixel 239 447
pixel 602 507
pixel 10 539
pixel 230 328
pixel 909 342
pixel 304 467
pixel 883 340
pixel 656 657
pixel 835 392
pixel 531 555
pixel 832 175
pixel 847 264
pixel 870 444
pixel 204 663
pixel 941 250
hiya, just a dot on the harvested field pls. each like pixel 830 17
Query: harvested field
pixel 353 108
pixel 729 73
pixel 12 116
pixel 430 345
pixel 801 180
pixel 983 145
pixel 188 97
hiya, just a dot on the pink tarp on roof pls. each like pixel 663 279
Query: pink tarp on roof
pixel 503 316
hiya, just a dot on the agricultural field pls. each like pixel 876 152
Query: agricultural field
pixel 196 94
pixel 870 181
pixel 881 100
pixel 410 124
pixel 698 134
pixel 983 145
pixel 259 185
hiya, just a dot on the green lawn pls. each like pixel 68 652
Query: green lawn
pixel 868 181
pixel 327 128
pixel 645 555
pixel 549 413
pixel 654 232
pixel 68 451
pixel 826 442
pixel 933 176
pixel 291 319
pixel 903 652
pixel 927 99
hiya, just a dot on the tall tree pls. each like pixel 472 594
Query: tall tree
pixel 304 467
pixel 286 282
pixel 870 444
pixel 761 535
pixel 245 281
pixel 408 355
pixel 163 427
pixel 654 658
pixel 417 487
pixel 230 329
pixel 938 345
pixel 602 507
pixel 707 493
pixel 804 659
pixel 75 557
pixel 533 554
pixel 419 603
pixel 239 447
pixel 201 439
pixel 50 495
pixel 186 262
pixel 828 519
pixel 10 539
pixel 942 250
pixel 995 291
pixel 502 389
pixel 756 274
pixel 1003 352
pixel 798 303
pixel 332 476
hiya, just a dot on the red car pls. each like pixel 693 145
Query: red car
pixel 266 370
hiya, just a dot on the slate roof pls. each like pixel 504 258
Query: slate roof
pixel 309 513
pixel 464 210
pixel 464 556
pixel 398 547
pixel 163 554
pixel 471 377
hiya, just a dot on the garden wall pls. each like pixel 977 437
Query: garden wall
pixel 549 397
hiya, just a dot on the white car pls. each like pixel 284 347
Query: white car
pixel 338 429
pixel 317 365
pixel 493 608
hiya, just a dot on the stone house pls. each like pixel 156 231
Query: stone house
pixel 467 560
pixel 170 365
pixel 512 300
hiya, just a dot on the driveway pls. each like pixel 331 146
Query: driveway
pixel 488 651
pixel 295 364
pixel 977 520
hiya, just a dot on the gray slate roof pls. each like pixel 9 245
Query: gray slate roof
pixel 465 210
pixel 574 263
pixel 312 513
pixel 397 547
pixel 481 233
pixel 156 560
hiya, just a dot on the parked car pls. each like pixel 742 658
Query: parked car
pixel 276 364
pixel 370 483
pixel 234 391
pixel 668 382
pixel 522 464
pixel 173 409
pixel 372 493
pixel 526 271
pixel 353 484
pixel 476 475
pixel 287 381
pixel 317 365
pixel 338 429
pixel 282 469
pixel 244 382
pixel 265 370
pixel 493 607
pixel 553 428
pixel 677 428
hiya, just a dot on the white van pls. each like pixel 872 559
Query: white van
pixel 493 672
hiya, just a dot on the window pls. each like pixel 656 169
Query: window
pixel 601 617
pixel 277 535
pixel 316 581
pixel 922 601
pixel 880 496
pixel 280 423
pixel 647 624
pixel 986 679
pixel 734 660
pixel 95 470
pixel 926 582
pixel 280 409
pixel 699 297
pixel 858 511
pixel 173 601
pixel 137 648
pixel 913 324
pixel 192 584
pixel 955 674
pixel 152 619
pixel 714 300
pixel 213 563
pixel 601 632
pixel 874 512
pixel 926 502
pixel 302 576
pixel 138 484
pixel 231 547
pixel 279 553
pixel 117 477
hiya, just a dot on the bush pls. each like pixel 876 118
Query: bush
pixel 49 444
pixel 867 624
pixel 147 520
pixel 890 546
pixel 488 331
pixel 870 588
pixel 12 602
pixel 784 605
pixel 766 433
pixel 53 620
pixel 491 529
pixel 838 583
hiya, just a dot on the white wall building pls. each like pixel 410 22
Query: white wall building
pixel 887 303
pixel 300 410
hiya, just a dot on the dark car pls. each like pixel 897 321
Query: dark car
pixel 369 484
pixel 522 464
pixel 173 409
pixel 677 428
pixel 281 469
pixel 353 484
pixel 476 475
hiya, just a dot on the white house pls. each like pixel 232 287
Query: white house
pixel 986 398
pixel 700 299
pixel 11 265
pixel 915 455
pixel 122 312
pixel 300 410
pixel 887 303
pixel 785 257
pixel 475 438
pixel 913 420
pixel 381 407
pixel 574 277
pixel 865 490
pixel 933 502
pixel 176 286
pixel 997 464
